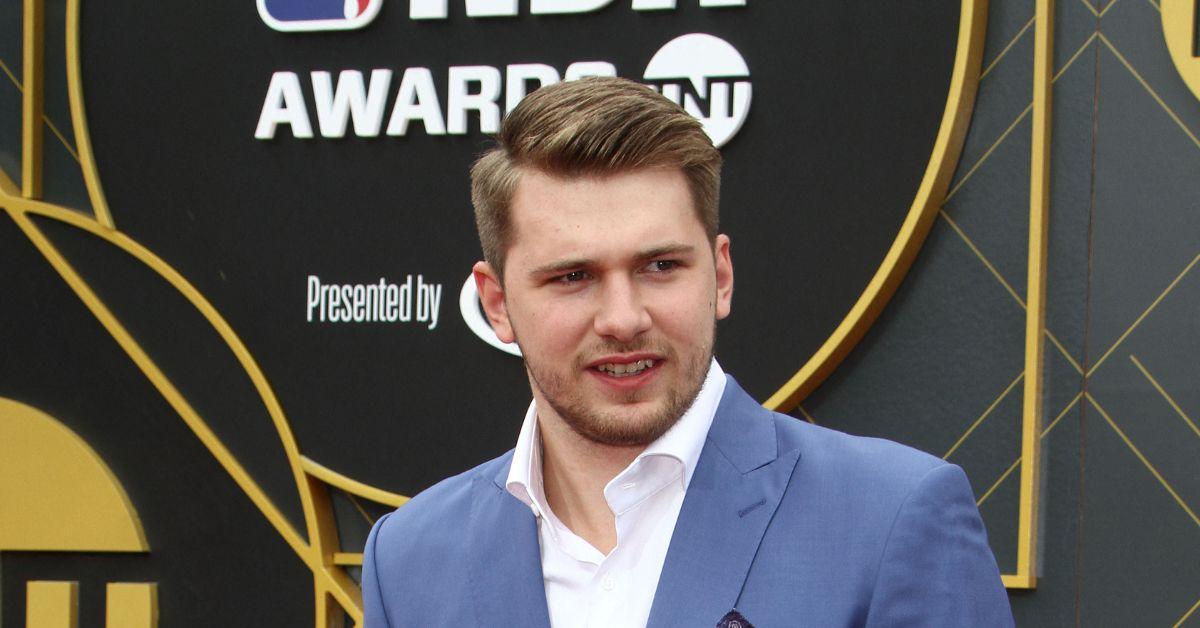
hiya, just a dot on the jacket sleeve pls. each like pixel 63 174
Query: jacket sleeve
pixel 937 568
pixel 374 614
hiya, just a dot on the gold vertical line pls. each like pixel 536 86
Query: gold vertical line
pixel 1035 293
pixel 325 545
pixel 51 604
pixel 32 98
pixel 1017 462
pixel 45 120
pixel 83 142
pixel 131 605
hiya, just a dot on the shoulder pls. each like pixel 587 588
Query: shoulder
pixel 435 516
pixel 870 474
pixel 916 513
pixel 885 463
pixel 743 429
pixel 416 553
pixel 892 528
pixel 894 482
pixel 844 477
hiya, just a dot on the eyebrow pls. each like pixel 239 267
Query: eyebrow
pixel 670 248
pixel 560 266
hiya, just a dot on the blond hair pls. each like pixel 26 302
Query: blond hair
pixel 592 126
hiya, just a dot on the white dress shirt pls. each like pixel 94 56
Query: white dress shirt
pixel 583 586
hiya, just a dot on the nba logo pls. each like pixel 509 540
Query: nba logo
pixel 318 15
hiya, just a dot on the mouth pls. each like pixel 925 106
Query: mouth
pixel 626 369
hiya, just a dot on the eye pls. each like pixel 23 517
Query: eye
pixel 571 277
pixel 662 265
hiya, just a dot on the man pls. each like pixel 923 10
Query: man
pixel 646 487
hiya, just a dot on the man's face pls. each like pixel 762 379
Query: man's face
pixel 612 290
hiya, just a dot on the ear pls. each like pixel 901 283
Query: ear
pixel 724 272
pixel 491 295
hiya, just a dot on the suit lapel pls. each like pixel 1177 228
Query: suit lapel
pixel 506 564
pixel 735 489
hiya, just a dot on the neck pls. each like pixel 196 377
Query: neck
pixel 574 474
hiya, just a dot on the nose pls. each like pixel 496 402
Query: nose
pixel 621 313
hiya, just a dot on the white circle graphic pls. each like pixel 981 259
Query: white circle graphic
pixel 708 77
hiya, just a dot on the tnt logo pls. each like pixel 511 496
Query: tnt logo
pixel 706 76
pixel 318 15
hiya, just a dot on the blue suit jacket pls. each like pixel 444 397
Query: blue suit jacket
pixel 789 523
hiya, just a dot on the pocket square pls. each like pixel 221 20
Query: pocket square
pixel 734 619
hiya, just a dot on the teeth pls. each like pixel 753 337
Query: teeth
pixel 625 370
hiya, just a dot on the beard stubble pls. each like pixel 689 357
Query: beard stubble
pixel 614 428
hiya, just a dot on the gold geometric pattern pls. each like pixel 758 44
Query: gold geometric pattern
pixel 1158 387
pixel 1097 38
pixel 335 592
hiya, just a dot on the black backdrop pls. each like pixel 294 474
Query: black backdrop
pixel 846 102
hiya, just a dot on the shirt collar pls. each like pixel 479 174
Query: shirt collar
pixel 683 442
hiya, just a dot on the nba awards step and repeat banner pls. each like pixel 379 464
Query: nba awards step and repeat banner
pixel 279 241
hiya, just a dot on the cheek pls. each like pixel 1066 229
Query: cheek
pixel 551 327
pixel 684 318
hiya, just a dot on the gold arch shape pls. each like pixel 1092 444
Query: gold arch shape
pixel 960 103
pixel 51 480
pixel 317 555
pixel 334 590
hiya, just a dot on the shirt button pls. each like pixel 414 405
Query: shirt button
pixel 608 583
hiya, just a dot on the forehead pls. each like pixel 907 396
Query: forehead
pixel 595 215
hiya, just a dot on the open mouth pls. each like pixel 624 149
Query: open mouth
pixel 625 370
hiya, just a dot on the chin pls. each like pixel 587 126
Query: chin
pixel 622 429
